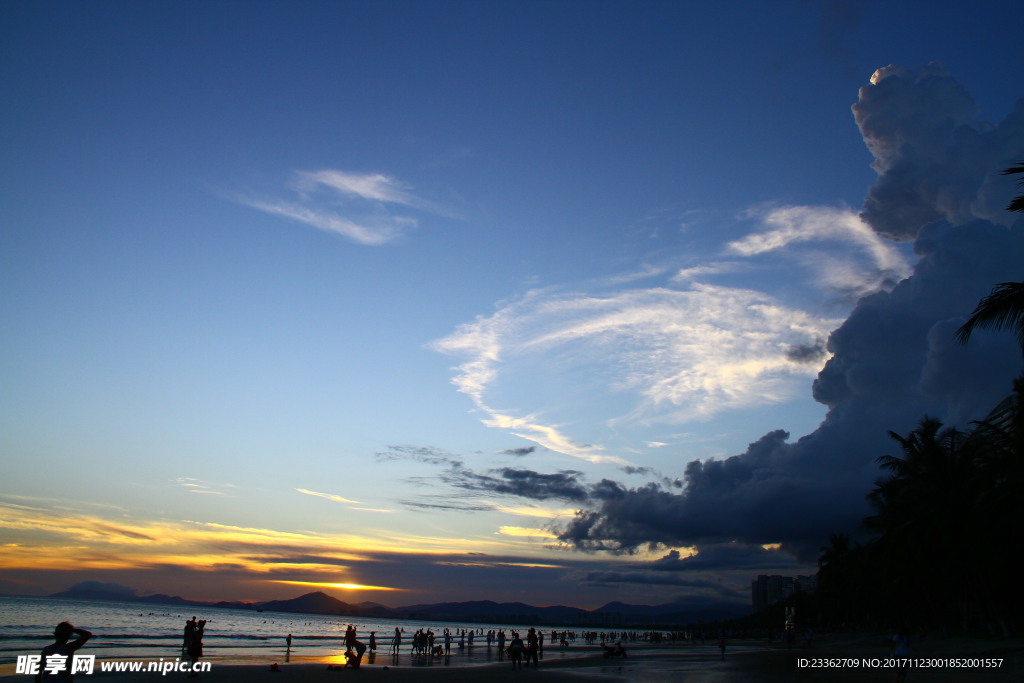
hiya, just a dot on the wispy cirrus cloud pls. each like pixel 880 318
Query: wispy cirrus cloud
pixel 329 496
pixel 193 485
pixel 359 207
pixel 680 354
pixel 676 345
pixel 874 264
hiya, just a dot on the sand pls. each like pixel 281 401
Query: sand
pixel 676 663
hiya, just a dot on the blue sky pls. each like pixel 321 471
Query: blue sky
pixel 284 282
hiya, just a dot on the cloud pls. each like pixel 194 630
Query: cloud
pixel 677 354
pixel 424 454
pixel 519 452
pixel 892 361
pixel 373 186
pixel 193 485
pixel 525 532
pixel 372 232
pixel 681 346
pixel 328 496
pixel 564 485
pixel 727 556
pixel 355 206
pixel 935 160
pixel 877 265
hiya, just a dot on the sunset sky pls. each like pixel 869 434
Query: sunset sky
pixel 553 302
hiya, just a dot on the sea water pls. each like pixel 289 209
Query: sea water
pixel 150 631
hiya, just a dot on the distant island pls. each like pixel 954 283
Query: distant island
pixel 612 614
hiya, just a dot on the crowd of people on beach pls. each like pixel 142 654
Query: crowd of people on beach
pixel 519 649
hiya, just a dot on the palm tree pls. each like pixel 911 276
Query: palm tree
pixel 926 515
pixel 1018 202
pixel 1002 309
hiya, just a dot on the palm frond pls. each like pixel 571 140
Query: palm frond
pixel 1002 309
pixel 1018 202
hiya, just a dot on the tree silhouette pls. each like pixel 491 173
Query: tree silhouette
pixel 1018 202
pixel 947 513
pixel 924 512
pixel 1002 309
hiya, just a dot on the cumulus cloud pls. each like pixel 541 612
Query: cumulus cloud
pixel 935 159
pixel 892 361
pixel 356 206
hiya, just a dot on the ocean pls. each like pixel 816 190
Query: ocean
pixel 148 631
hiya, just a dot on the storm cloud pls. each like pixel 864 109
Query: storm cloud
pixel 894 358
pixel 935 160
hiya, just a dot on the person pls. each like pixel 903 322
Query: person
pixel 515 651
pixel 532 648
pixel 396 642
pixel 60 647
pixel 289 641
pixel 354 648
pixel 901 653
pixel 722 643
pixel 190 629
pixel 195 646
pixel 373 642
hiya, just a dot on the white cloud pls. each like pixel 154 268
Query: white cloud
pixel 355 206
pixel 383 231
pixel 679 354
pixel 878 265
pixel 616 353
pixel 329 496
pixel 373 186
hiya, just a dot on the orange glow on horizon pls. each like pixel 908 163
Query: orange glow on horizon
pixel 343 586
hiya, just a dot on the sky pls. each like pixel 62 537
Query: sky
pixel 551 302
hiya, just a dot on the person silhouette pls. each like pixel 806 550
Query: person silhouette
pixel 60 647
pixel 195 646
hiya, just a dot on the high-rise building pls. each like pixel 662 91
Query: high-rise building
pixel 768 590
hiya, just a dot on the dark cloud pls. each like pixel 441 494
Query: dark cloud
pixel 443 503
pixel 894 359
pixel 519 452
pixel 810 353
pixel 564 485
pixel 424 454
pixel 633 469
pixel 721 556
pixel 298 559
pixel 935 160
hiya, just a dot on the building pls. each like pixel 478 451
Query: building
pixel 766 590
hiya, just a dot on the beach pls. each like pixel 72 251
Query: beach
pixel 859 657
